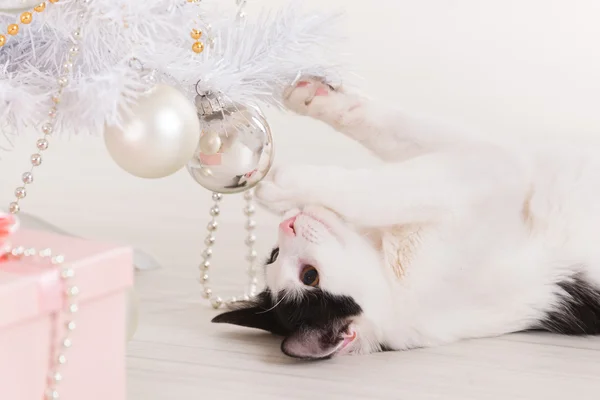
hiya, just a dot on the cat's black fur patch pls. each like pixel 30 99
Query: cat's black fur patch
pixel 315 309
pixel 579 312
pixel 273 256
pixel 385 348
pixel 257 314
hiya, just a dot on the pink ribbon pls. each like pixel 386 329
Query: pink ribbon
pixel 8 225
pixel 50 288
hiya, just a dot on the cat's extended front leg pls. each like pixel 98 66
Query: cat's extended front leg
pixel 386 131
pixel 423 189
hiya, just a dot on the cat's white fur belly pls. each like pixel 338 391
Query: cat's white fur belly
pixel 494 270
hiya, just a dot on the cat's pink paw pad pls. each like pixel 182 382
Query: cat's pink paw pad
pixel 322 91
pixel 300 97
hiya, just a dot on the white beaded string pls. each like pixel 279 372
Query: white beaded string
pixel 47 127
pixel 250 226
pixel 251 256
pixel 240 15
pixel 58 353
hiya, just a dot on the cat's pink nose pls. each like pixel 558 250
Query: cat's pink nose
pixel 287 227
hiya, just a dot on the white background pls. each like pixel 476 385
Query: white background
pixel 511 68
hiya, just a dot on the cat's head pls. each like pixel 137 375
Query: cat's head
pixel 326 291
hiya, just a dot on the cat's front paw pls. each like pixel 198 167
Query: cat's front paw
pixel 310 96
pixel 274 198
pixel 315 98
pixel 283 189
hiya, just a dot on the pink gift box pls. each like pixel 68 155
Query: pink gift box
pixel 31 297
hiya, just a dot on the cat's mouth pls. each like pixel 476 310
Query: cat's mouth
pixel 318 346
pixel 349 338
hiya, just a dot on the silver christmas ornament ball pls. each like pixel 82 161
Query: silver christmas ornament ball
pixel 235 150
pixel 158 137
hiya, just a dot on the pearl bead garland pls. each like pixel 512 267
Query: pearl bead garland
pixel 58 352
pixel 59 357
pixel 47 127
pixel 251 256
pixel 249 210
pixel 241 15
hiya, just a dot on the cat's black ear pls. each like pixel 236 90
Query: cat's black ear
pixel 313 343
pixel 254 314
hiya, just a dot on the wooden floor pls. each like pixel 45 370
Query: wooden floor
pixel 177 354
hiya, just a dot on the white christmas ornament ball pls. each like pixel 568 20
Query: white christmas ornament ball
pixel 17 5
pixel 158 137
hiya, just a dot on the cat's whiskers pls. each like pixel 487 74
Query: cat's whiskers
pixel 276 304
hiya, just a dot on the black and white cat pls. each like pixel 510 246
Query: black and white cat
pixel 452 238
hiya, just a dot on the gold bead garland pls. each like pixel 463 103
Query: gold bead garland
pixel 198 47
pixel 196 34
pixel 25 18
pixel 13 29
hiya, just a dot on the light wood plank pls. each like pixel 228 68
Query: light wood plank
pixel 178 354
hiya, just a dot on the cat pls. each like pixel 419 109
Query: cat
pixel 452 238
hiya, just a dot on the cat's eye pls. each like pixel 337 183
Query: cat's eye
pixel 309 276
pixel 273 256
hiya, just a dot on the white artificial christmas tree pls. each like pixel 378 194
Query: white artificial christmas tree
pixel 249 61
pixel 152 76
